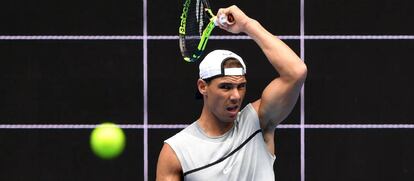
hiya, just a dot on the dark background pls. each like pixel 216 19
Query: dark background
pixel 354 81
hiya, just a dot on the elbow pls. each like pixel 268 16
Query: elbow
pixel 300 72
pixel 303 72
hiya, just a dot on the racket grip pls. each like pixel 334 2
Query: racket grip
pixel 224 20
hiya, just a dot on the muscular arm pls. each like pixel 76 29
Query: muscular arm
pixel 280 96
pixel 168 166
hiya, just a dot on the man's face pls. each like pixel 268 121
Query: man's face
pixel 225 95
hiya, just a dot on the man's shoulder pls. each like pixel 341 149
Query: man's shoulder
pixel 248 109
pixel 168 166
pixel 183 134
pixel 248 112
pixel 248 119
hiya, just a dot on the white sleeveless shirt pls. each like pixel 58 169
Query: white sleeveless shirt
pixel 253 162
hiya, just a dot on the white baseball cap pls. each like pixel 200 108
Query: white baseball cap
pixel 212 64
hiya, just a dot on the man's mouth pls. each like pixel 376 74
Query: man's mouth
pixel 232 108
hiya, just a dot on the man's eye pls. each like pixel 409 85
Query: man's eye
pixel 225 86
pixel 242 86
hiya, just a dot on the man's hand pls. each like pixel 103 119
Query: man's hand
pixel 240 19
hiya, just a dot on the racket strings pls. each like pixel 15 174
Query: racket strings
pixel 196 22
pixel 200 15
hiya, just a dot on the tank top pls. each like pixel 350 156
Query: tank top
pixel 223 158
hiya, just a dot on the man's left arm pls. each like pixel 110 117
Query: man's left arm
pixel 280 96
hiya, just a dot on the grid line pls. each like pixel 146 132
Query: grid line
pixel 145 88
pixel 181 126
pixel 302 92
pixel 222 37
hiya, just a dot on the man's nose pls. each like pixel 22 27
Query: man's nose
pixel 235 95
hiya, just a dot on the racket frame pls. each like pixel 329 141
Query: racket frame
pixel 194 56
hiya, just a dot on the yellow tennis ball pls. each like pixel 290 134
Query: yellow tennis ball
pixel 107 140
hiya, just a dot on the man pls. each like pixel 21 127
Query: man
pixel 225 144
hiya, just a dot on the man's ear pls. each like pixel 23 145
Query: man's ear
pixel 202 86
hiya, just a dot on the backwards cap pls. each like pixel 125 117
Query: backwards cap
pixel 212 64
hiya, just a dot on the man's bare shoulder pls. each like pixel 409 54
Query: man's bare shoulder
pixel 168 166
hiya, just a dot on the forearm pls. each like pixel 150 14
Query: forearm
pixel 283 59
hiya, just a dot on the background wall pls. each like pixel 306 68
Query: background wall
pixel 69 65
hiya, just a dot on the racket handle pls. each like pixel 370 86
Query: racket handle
pixel 224 20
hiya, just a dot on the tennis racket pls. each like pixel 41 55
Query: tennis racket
pixel 197 23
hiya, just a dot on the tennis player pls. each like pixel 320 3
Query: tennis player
pixel 228 142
